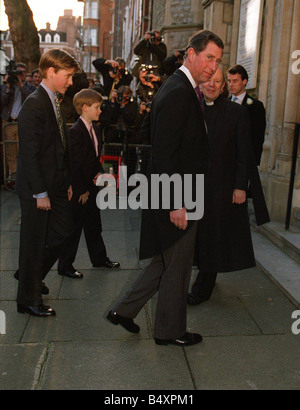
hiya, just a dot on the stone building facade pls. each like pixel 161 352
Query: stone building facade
pixel 277 77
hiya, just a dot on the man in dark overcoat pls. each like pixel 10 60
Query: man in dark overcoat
pixel 179 146
pixel 224 239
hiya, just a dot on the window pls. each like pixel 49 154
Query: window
pixel 91 10
pixel 57 38
pixel 94 40
pixel 48 38
pixel 94 10
pixel 90 36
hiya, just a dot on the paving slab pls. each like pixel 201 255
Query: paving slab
pixel 21 365
pixel 266 362
pixel 115 365
pixel 80 320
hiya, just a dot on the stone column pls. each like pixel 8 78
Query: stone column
pixel 218 15
pixel 177 20
pixel 282 110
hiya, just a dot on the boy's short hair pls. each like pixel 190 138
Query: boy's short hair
pixel 59 59
pixel 86 96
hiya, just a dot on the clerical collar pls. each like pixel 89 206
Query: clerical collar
pixel 209 103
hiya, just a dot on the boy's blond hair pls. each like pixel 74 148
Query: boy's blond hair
pixel 86 96
pixel 59 59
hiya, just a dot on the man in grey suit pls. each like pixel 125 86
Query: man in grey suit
pixel 179 146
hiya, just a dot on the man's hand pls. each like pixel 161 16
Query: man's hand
pixel 239 196
pixel 83 198
pixel 178 218
pixel 43 204
pixel 70 193
pixel 114 95
pixel 113 63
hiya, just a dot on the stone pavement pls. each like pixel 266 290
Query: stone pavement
pixel 248 342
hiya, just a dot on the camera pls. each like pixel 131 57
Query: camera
pixel 123 71
pixel 150 96
pixel 153 37
pixel 149 69
pixel 12 72
pixel 121 97
pixel 115 70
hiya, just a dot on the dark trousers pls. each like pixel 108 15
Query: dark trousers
pixel 169 274
pixel 87 218
pixel 204 285
pixel 42 237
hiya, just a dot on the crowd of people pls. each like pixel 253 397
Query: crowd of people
pixel 195 129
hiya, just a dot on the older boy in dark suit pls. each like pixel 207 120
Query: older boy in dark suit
pixel 43 180
pixel 85 141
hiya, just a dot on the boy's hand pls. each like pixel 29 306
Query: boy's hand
pixel 84 197
pixel 43 204
pixel 96 177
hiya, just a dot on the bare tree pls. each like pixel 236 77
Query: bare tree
pixel 23 32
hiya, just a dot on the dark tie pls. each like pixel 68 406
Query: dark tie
pixel 200 98
pixel 60 120
pixel 93 141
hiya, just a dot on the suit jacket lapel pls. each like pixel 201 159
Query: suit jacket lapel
pixel 181 74
pixel 50 108
pixel 245 99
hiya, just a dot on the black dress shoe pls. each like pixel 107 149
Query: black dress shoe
pixel 107 264
pixel 40 311
pixel 126 322
pixel 71 274
pixel 187 339
pixel 45 289
pixel 194 300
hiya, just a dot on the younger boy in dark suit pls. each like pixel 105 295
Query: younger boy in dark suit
pixel 85 142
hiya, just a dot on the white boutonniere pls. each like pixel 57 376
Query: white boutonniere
pixel 249 101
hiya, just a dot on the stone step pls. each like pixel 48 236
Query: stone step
pixel 279 266
pixel 286 240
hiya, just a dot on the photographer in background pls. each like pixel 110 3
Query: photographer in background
pixel 114 74
pixel 14 91
pixel 151 50
pixel 149 83
pixel 121 115
pixel 173 62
